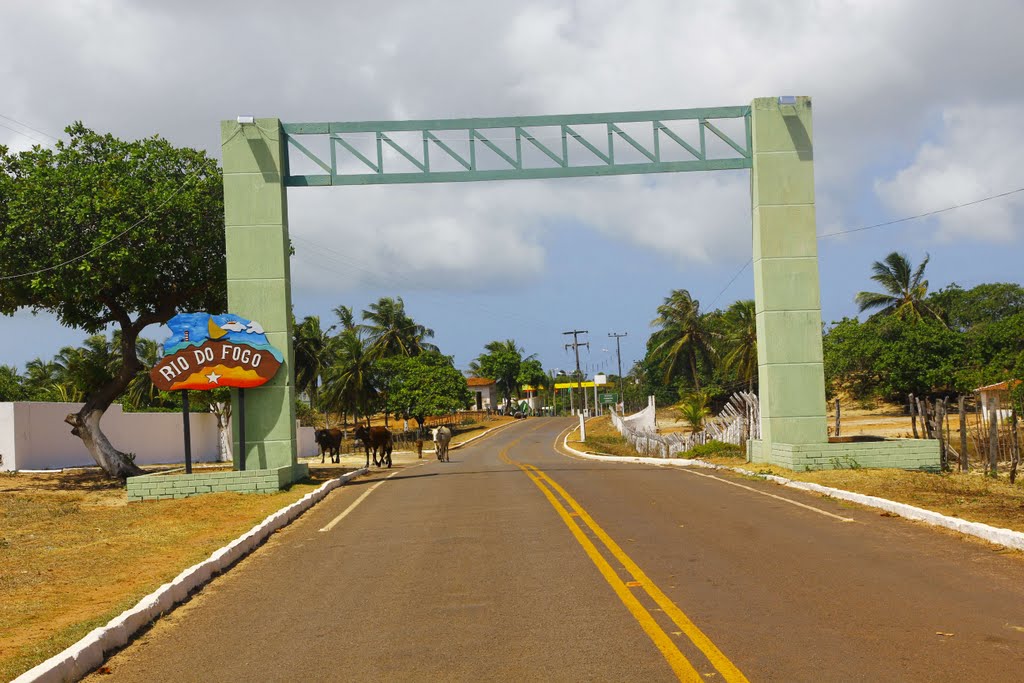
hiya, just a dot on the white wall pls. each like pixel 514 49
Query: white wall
pixel 34 436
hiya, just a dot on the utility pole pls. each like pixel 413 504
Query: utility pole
pixel 576 348
pixel 618 354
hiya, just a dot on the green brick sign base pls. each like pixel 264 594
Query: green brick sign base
pixel 162 486
pixel 906 454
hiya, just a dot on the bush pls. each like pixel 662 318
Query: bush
pixel 714 449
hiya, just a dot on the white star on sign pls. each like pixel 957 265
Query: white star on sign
pixel 213 377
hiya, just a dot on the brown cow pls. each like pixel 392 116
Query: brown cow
pixel 376 438
pixel 329 440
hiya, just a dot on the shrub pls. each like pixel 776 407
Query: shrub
pixel 714 448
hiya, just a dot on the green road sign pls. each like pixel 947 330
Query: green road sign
pixel 610 398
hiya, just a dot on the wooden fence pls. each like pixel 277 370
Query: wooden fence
pixel 738 422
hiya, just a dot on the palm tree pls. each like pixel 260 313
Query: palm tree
pixel 905 292
pixel 141 391
pixel 87 368
pixel 695 408
pixel 741 341
pixel 683 338
pixel 392 332
pixel 346 318
pixel 313 351
pixel 349 383
pixel 42 378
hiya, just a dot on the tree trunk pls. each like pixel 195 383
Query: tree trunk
pixel 86 422
pixel 222 411
pixel 913 413
pixel 86 426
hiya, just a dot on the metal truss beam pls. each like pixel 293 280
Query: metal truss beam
pixel 527 150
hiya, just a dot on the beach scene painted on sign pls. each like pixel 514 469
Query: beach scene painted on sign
pixel 208 351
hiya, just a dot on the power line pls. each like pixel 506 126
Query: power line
pixel 25 125
pixel 924 215
pixel 881 225
pixel 24 135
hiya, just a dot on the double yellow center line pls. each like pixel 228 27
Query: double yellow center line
pixel 576 518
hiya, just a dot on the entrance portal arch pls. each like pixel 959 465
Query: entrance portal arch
pixel 775 144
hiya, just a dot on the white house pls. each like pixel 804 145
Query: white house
pixel 998 393
pixel 485 393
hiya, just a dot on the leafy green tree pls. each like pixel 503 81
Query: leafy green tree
pixel 891 357
pixel 424 385
pixel 683 339
pixel 101 231
pixel 963 309
pixel 12 384
pixel 850 348
pixel 994 349
pixel 391 332
pixel 905 291
pixel 502 362
pixel 531 372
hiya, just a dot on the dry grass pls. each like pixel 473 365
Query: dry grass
pixel 972 496
pixel 74 553
pixel 602 437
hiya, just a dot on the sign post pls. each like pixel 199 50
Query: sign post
pixel 188 432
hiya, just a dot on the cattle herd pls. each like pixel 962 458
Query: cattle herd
pixel 379 440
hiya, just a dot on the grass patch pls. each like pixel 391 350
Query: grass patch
pixel 74 553
pixel 602 438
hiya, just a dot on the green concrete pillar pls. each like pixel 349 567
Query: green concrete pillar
pixel 259 287
pixel 786 290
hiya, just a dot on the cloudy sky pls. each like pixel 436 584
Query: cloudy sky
pixel 917 107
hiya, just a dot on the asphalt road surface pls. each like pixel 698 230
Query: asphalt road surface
pixel 516 563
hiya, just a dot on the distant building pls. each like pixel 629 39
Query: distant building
pixel 1000 394
pixel 485 393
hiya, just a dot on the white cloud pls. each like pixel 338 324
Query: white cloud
pixel 877 70
pixel 969 159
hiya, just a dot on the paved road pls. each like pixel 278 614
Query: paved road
pixel 515 563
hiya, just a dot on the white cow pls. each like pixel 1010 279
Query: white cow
pixel 442 437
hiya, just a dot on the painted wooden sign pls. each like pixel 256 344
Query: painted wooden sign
pixel 208 351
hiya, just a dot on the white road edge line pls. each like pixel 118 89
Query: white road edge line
pixel 1007 538
pixel 772 495
pixel 565 443
pixel 360 499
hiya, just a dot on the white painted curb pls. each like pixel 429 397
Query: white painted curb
pixel 88 653
pixel 992 534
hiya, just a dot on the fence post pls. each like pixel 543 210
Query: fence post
pixel 964 462
pixel 1014 446
pixel 940 407
pixel 913 416
pixel 993 438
